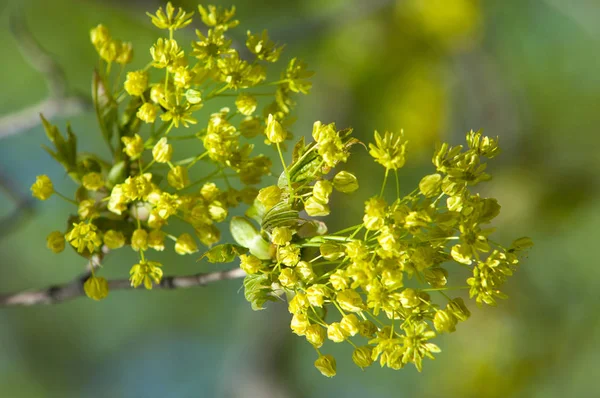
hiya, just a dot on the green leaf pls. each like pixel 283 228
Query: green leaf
pixel 257 290
pixel 225 253
pixel 245 234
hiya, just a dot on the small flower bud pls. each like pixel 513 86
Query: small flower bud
pixel 139 240
pixel 274 131
pixel 338 280
pixel 367 329
pixel 299 324
pixel 250 264
pixel 350 324
pixel 305 271
pixel 345 182
pixel 96 288
pixel 178 177
pixel 289 254
pixel 314 208
pixel 134 146
pixel 409 298
pixel 298 303
pixel 92 181
pixel 362 356
pixel 349 300
pixel 99 35
pixel 288 277
pixel 162 151
pixel 185 244
pixel 316 295
pixel 147 112
pixel 458 309
pixel 430 185
pixel 246 104
pixel 217 211
pixel 321 191
pixel 56 242
pixel 136 83
pixel 87 209
pixel 444 321
pixel 326 365
pixel 332 251
pixel 125 54
pixel 315 335
pixel 114 239
pixel 336 333
pixel 193 96
pixel 156 240
pixel 269 196
pixel 281 236
pixel 42 188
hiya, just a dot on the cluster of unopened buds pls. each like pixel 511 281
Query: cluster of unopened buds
pixel 369 285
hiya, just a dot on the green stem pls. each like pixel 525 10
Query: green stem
pixel 387 171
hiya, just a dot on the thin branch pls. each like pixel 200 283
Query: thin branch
pixel 59 101
pixel 60 293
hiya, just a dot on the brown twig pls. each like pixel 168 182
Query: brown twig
pixel 60 293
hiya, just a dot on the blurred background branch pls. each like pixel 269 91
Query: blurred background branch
pixel 59 102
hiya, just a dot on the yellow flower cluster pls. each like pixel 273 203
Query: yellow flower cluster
pixel 129 200
pixel 354 287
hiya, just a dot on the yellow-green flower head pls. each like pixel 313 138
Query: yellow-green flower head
pixel 430 185
pixel 375 209
pixel 210 48
pixel 269 196
pixel 169 20
pixel 136 83
pixel 416 345
pixel 250 264
pixel 316 208
pixel 305 271
pixel 409 298
pixel 84 236
pixel 208 234
pixel 326 365
pixel 296 75
pixel 99 36
pixel 316 295
pixel 335 332
pixel 156 240
pixel 338 280
pixel 281 236
pixel 166 53
pixel 349 300
pixel 389 150
pixel 145 272
pixel 458 309
pixel 246 104
pixel 96 288
pixel 350 324
pixel 444 321
pixel 299 324
pixel 238 73
pixel 217 211
pixel 139 240
pixel 367 329
pixel 147 112
pixel 125 53
pixel 362 356
pixel 213 16
pixel 178 177
pixel 484 146
pixel 289 255
pixel 110 50
pixel 114 239
pixel 357 250
pixel 136 188
pixel 87 209
pixel 162 151
pixel 183 77
pixel 92 181
pixel 193 96
pixel 321 190
pixel 315 335
pixel 263 47
pixel 166 205
pixel 298 304
pixel 345 182
pixel 42 188
pixel 117 202
pixel 56 242
pixel 274 132
pixel 185 244
pixel 133 146
pixel 288 278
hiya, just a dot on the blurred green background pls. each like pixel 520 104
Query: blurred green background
pixel 524 70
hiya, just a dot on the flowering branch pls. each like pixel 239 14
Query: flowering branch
pixel 56 294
